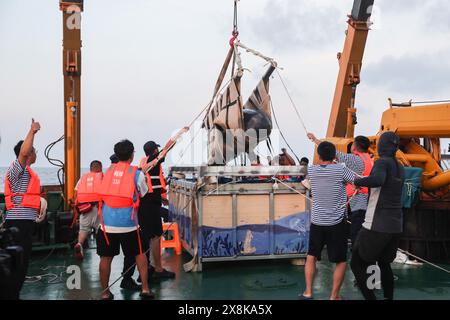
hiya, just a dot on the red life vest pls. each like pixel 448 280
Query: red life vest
pixel 89 187
pixel 31 198
pixel 368 165
pixel 118 190
pixel 162 181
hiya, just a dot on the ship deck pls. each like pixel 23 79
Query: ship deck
pixel 240 280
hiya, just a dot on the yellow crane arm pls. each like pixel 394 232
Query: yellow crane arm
pixel 343 113
pixel 71 10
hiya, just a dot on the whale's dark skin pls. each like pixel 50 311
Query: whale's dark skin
pixel 257 119
pixel 253 119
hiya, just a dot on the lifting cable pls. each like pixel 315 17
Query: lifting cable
pixel 281 133
pixel 235 19
pixel 421 259
pixel 234 34
pixel 292 102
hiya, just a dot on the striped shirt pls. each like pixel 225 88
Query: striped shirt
pixel 356 164
pixel 19 178
pixel 328 193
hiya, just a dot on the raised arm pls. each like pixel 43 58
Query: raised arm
pixel 27 146
pixel 353 162
pixel 169 145
pixel 313 138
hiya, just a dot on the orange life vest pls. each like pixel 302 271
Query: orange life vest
pixel 89 187
pixel 162 181
pixel 118 186
pixel 118 190
pixel 31 198
pixel 368 165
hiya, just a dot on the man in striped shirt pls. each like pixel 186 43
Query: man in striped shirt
pixel 21 217
pixel 328 225
pixel 354 161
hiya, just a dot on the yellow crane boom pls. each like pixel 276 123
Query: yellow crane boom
pixel 343 113
pixel 71 11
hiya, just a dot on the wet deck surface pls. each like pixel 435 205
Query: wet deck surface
pixel 230 281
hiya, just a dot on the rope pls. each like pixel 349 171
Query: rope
pixel 37 278
pixel 293 103
pixel 289 187
pixel 34 279
pixel 207 108
pixel 256 53
pixel 350 199
pixel 281 133
pixel 238 61
pixel 421 259
pixel 121 276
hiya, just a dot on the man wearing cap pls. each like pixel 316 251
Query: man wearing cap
pixel 149 213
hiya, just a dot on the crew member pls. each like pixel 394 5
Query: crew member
pixel 378 240
pixel 86 203
pixel 150 208
pixel 328 225
pixel 361 163
pixel 23 200
pixel 120 192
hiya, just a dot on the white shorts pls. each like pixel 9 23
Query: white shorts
pixel 90 220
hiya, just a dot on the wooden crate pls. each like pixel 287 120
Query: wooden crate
pixel 241 221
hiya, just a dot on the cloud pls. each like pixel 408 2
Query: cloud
pixel 412 75
pixel 291 24
pixel 437 15
pixel 431 14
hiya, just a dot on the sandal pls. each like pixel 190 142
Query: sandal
pixel 147 295
pixel 109 297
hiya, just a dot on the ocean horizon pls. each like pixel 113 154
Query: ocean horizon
pixel 48 175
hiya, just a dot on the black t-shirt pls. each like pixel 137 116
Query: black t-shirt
pixel 154 196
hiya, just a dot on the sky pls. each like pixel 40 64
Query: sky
pixel 149 66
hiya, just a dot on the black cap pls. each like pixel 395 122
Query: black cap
pixel 150 147
pixel 114 158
